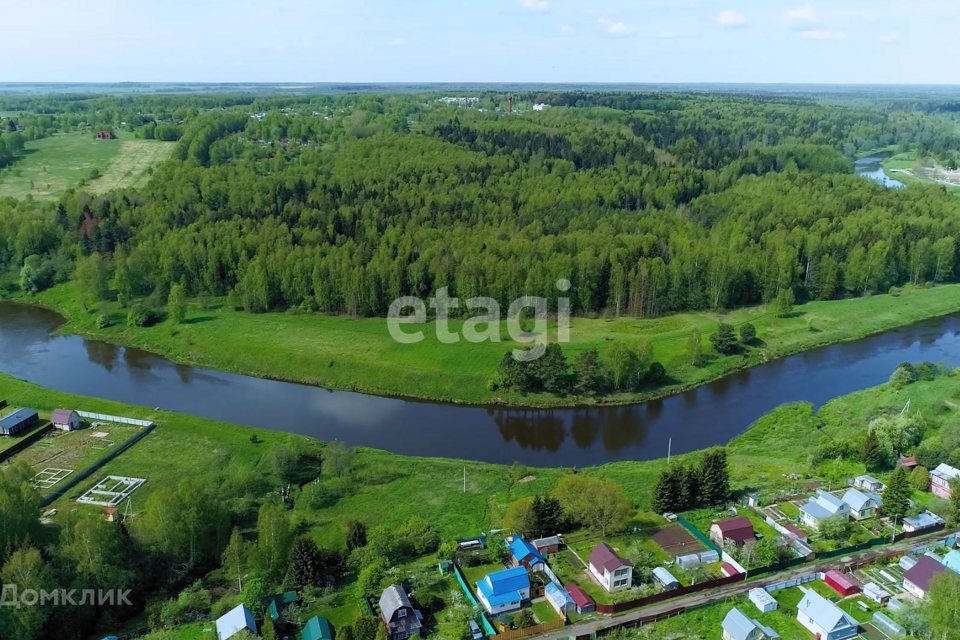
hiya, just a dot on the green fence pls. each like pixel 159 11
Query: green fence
pixel 473 601
pixel 696 533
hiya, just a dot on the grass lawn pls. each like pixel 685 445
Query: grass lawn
pixel 474 575
pixel 358 353
pixel 53 165
pixel 791 510
pixel 544 610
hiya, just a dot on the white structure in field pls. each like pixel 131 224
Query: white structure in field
pixel 234 621
pixel 111 491
pixel 763 601
pixel 824 619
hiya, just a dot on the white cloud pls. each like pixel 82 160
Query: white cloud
pixel 615 28
pixel 890 37
pixel 567 30
pixel 801 16
pixel 540 6
pixel 824 35
pixel 730 18
pixel 398 42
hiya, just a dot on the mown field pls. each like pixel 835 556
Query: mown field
pixel 358 354
pixel 53 165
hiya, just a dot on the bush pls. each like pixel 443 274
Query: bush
pixel 657 373
pixel 903 375
pixel 748 333
pixel 142 315
pixel 724 340
pixel 103 321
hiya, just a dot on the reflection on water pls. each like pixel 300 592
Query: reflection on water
pixel 872 169
pixel 698 418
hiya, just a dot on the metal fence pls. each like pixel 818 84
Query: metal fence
pixel 795 582
pixel 26 442
pixel 472 600
pixel 696 533
pixel 107 418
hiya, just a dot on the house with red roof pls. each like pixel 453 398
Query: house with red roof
pixel 736 530
pixel 585 604
pixel 610 570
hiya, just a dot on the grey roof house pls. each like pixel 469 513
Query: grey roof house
pixel 862 504
pixel 825 505
pixel 398 614
pixel 737 626
pixel 824 619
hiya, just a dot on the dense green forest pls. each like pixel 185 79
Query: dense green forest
pixel 647 203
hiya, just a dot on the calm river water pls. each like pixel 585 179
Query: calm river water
pixel 706 416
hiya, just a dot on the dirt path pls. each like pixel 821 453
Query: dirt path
pixel 738 588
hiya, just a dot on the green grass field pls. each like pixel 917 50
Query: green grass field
pixel 359 354
pixel 53 165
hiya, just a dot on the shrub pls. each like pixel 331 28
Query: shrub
pixel 103 321
pixel 748 333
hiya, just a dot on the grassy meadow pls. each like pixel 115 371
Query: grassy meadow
pixel 358 354
pixel 53 165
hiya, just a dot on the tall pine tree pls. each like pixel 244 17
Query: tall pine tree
pixel 896 499
pixel 304 568
pixel 714 477
pixel 871 454
pixel 666 491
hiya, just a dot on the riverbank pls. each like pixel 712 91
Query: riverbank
pixel 359 354
pixel 184 447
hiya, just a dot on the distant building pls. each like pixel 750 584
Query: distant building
pixel 862 505
pixel 870 484
pixel 907 461
pixel 17 421
pixel 399 616
pixel 235 620
pixel 940 480
pixel 611 571
pixel 737 626
pixel 824 505
pixel 824 619
pixel 104 135
pixel 550 544
pixel 736 530
pixel 875 592
pixel 924 520
pixel 317 628
pixel 65 419
pixel 916 580
pixel 504 591
pixel 540 107
pixel 524 554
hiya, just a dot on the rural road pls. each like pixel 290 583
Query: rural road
pixel 735 589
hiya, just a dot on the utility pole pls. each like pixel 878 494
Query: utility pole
pixel 669 450
pixel 464 478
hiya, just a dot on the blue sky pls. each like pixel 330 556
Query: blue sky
pixel 835 41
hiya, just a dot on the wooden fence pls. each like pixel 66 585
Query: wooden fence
pixel 528 631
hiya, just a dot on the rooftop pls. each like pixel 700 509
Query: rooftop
pixel 737 529
pixel 603 557
pixel 824 613
pixel 922 572
pixel 521 549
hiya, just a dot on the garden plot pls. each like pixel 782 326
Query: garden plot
pixel 111 491
pixel 677 541
pixel 50 477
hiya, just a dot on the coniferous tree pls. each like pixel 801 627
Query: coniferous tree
pixel 714 478
pixel 356 535
pixel 548 516
pixel 589 373
pixel 666 492
pixel 896 499
pixel 689 487
pixel 724 339
pixel 871 453
pixel 552 369
pixel 304 568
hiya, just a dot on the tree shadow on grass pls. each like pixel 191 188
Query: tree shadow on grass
pixel 198 319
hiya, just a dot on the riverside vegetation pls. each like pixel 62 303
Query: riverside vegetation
pixel 668 213
pixel 225 502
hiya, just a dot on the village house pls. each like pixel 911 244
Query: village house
pixel 739 531
pixel 824 619
pixel 909 462
pixel 824 505
pixel 399 616
pixel 524 554
pixel 504 591
pixel 234 621
pixel 862 505
pixel 940 480
pixel 585 604
pixel 737 626
pixel 916 580
pixel 65 419
pixel 952 561
pixel 869 484
pixel 611 571
pixel 317 628
pixel 17 421
pixel 921 521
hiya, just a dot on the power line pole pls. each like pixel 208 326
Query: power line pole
pixel 669 450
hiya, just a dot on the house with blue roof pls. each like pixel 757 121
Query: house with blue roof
pixel 234 621
pixel 504 591
pixel 824 505
pixel 952 561
pixel 524 554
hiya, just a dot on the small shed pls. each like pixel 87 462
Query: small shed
pixel 17 421
pixel 908 461
pixel 233 621
pixel 65 419
pixel 907 562
pixel 550 544
pixel 278 602
pixel 875 592
pixel 952 561
pixel 763 601
pixel 584 602
pixel 560 599
pixel 796 532
pixel 445 567
pixel 665 579
pixel 317 628
pixel 842 584
pixel 728 569
pixel 111 514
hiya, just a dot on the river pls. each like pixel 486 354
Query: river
pixel 872 169
pixel 706 416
